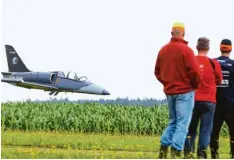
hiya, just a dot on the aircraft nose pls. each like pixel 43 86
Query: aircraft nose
pixel 93 89
pixel 105 92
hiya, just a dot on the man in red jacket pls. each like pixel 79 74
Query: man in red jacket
pixel 178 70
pixel 205 102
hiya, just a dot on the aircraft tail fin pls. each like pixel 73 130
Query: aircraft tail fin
pixel 15 64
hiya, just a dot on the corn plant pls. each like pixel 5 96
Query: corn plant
pixel 87 118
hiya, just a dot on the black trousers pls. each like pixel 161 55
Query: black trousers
pixel 224 113
pixel 204 112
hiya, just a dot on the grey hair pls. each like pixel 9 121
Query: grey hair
pixel 203 43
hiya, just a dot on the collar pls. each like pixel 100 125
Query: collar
pixel 175 39
pixel 224 57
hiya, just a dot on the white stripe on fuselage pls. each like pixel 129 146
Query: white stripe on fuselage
pixel 93 88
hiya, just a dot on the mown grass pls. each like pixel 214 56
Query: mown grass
pixel 42 153
pixel 18 144
pixel 70 140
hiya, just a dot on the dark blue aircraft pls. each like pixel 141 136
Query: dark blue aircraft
pixel 54 82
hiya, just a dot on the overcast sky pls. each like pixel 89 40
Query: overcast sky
pixel 113 42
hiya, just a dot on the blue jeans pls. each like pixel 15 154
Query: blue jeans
pixel 203 111
pixel 180 113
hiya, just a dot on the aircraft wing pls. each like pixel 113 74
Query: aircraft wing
pixel 33 85
pixel 30 85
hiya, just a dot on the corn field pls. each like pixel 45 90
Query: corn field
pixel 86 118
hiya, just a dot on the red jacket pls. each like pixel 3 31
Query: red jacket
pixel 209 79
pixel 177 68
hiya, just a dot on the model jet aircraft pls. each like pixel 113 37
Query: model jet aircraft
pixel 54 82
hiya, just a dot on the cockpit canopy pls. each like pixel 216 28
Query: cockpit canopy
pixel 72 75
pixel 60 74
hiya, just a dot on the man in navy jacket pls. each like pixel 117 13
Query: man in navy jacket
pixel 225 100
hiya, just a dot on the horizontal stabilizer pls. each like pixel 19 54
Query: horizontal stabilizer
pixel 10 80
pixel 6 73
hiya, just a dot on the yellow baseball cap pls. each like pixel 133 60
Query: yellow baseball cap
pixel 178 26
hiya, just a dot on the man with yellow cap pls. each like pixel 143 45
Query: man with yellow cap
pixel 225 100
pixel 178 70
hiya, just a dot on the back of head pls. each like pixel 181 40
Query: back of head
pixel 226 46
pixel 178 30
pixel 203 44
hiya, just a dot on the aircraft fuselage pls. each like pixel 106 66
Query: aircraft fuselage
pixel 54 83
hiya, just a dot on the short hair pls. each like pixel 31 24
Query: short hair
pixel 177 33
pixel 225 52
pixel 203 44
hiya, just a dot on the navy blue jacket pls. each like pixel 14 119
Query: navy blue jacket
pixel 226 89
